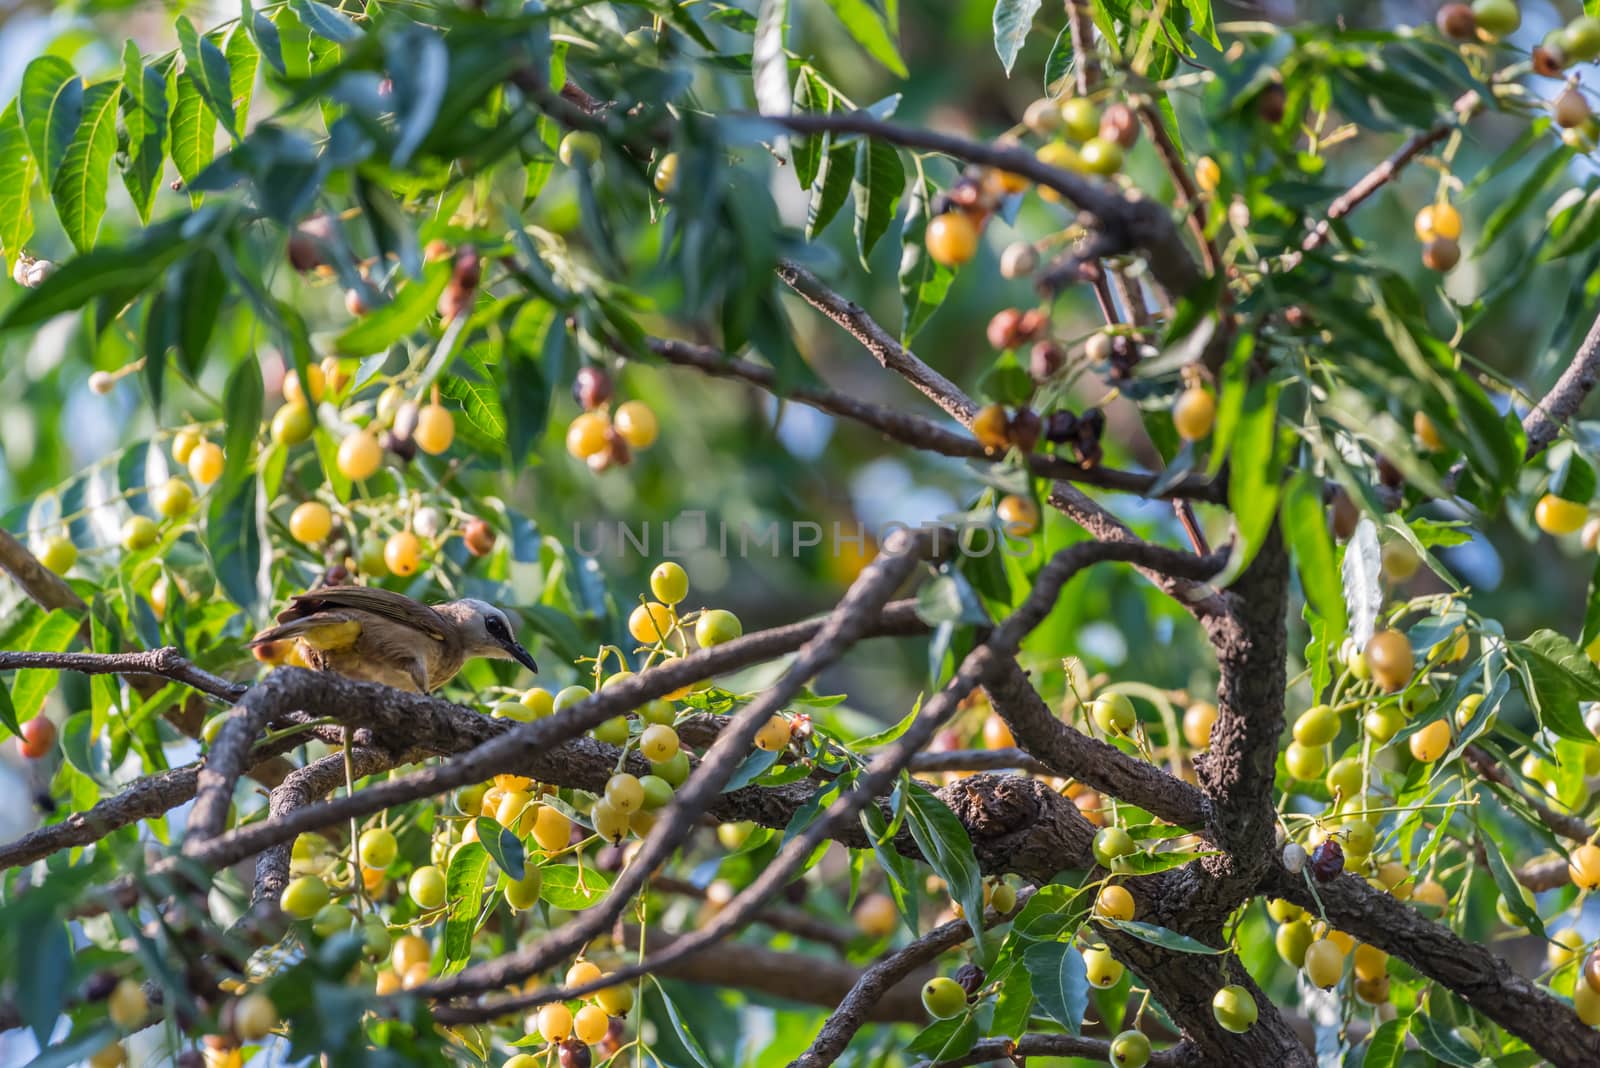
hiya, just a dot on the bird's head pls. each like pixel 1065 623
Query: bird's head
pixel 486 631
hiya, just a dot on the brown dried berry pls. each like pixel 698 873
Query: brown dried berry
pixel 1034 322
pixel 337 575
pixel 99 986
pixel 1120 124
pixel 591 388
pixel 1591 971
pixel 1548 61
pixel 1343 515
pixel 478 538
pixel 610 1044
pixel 991 427
pixel 1045 360
pixel 403 447
pixel 969 977
pixel 1296 316
pixel 1025 429
pixel 1060 427
pixel 1389 474
pixel 1441 254
pixel 468 269
pixel 1003 329
pixel 1457 21
pixel 1269 105
pixel 574 1054
pixel 1327 861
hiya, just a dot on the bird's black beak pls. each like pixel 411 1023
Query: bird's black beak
pixel 521 655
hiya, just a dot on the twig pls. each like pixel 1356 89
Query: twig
pixel 1561 404
pixel 990 1050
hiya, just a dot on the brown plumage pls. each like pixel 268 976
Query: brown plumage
pixel 379 636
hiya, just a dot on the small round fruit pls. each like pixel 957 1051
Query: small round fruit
pixel 1580 40
pixel 616 1000
pixel 591 1024
pixel 409 950
pixel 402 553
pixel 1114 903
pixel 996 734
pixel 1130 1049
pixel 613 731
pixel 658 742
pixel 111 1055
pixel 587 435
pixel 172 498
pixel 1383 722
pixel 579 148
pixel 609 823
pixel 184 442
pixel 1292 941
pixel 310 522
pixel 1571 109
pixel 1194 413
pixel 951 238
pixel 666 176
pixel 1344 778
pixel 292 424
pixel 1100 156
pixel 636 424
pixel 1305 763
pixel 1369 962
pixel 1586 1003
pixel 436 429
pixel 1207 174
pixel 943 998
pixel 1198 719
pixel 58 554
pixel 254 1017
pixel 1111 844
pixel 522 894
pixel 1113 713
pixel 1003 899
pixel 1583 864
pixel 1566 946
pixel 1317 725
pixel 716 626
pixel 1080 118
pixel 1234 1009
pixel 555 1019
pixel 552 829
pixel 360 456
pixel 1441 254
pixel 675 771
pixel 1285 911
pixel 650 623
pixel 139 532
pixel 205 463
pixel 1430 743
pixel 479 537
pixel 304 897
pixel 1497 18
pixel 669 583
pixel 1437 220
pixel 992 427
pixel 1019 260
pixel 427 887
pixel 1457 21
pixel 127 1006
pixel 1389 658
pixel 293 394
pixel 774 735
pixel 1431 893
pixel 38 737
pixel 1019 516
pixel 1104 970
pixel 1557 516
pixel 1324 964
pixel 624 793
pixel 876 916
pixel 378 847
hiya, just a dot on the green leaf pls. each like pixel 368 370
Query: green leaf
pixel 194 131
pixel 1255 473
pixel 50 103
pixel 419 63
pixel 880 180
pixel 1574 479
pixel 832 189
pixel 16 185
pixel 690 1044
pixel 268 41
pixel 1162 936
pixel 1060 982
pixel 413 302
pixel 464 884
pixel 244 59
pixel 1510 890
pixel 570 887
pixel 197 289
pixel 325 22
pixel 947 848
pixel 234 539
pixel 811 97
pixel 207 69
pixel 103 271
pixel 1510 209
pixel 52 634
pixel 945 1040
pixel 504 848
pixel 526 390
pixel 1555 675
pixel 1012 21
pixel 8 713
pixel 1305 524
pixel 242 398
pixel 870 32
pixel 77 1047
pixel 79 187
pixel 1387 1045
pixel 1438 1039
pixel 144 116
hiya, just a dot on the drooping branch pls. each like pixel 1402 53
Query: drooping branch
pixel 166 663
pixel 1476 975
pixel 1132 224
pixel 917 432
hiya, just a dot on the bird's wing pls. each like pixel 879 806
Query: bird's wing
pixel 395 606
pixel 321 630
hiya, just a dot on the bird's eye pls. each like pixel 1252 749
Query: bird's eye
pixel 496 628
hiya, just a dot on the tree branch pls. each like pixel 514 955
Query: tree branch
pixel 1132 224
pixel 166 663
pixel 1561 404
pixel 44 587
pixel 991 1050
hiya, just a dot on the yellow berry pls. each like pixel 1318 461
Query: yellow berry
pixel 360 456
pixel 586 435
pixel 402 553
pixel 139 532
pixel 205 463
pixel 1114 903
pixel 310 523
pixel 172 498
pixel 555 1022
pixel 254 1017
pixel 1207 174
pixel 292 424
pixel 58 554
pixel 651 622
pixel 666 176
pixel 184 443
pixel 1558 516
pixel 293 394
pixel 1438 220
pixel 1198 719
pixel 1584 866
pixel 951 238
pixel 774 736
pixel 1193 413
pixel 669 583
pixel 591 1024
pixel 636 424
pixel 127 1006
pixel 436 429
pixel 1019 516
pixel 1430 743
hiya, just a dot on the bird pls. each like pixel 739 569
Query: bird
pixel 378 636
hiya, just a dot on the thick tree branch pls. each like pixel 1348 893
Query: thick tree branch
pixel 1131 224
pixel 1561 404
pixel 145 799
pixel 995 1050
pixel 1476 975
pixel 44 587
pixel 166 663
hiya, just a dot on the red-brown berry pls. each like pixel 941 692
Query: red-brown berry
pixel 1327 860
